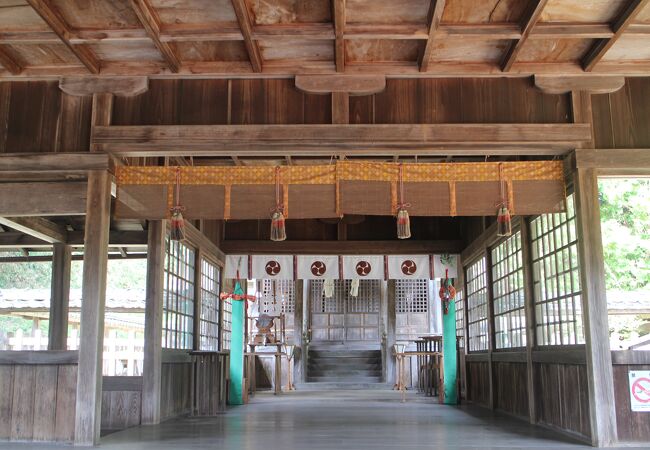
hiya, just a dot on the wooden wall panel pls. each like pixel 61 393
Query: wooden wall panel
pixel 621 118
pixel 561 396
pixel 37 402
pixel 632 426
pixel 176 390
pixel 478 380
pixel 121 409
pixel 511 389
pixel 480 100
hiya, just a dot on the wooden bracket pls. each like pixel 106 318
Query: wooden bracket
pixel 590 84
pixel 122 87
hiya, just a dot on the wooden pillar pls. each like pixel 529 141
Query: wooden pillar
pixel 388 293
pixel 298 373
pixel 60 297
pixel 89 376
pixel 594 307
pixel 306 326
pixel 152 365
pixel 529 308
pixel 491 343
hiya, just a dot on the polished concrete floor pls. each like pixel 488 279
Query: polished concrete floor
pixel 341 420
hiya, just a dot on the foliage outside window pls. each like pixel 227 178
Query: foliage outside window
pixel 556 278
pixel 508 293
pixel 178 306
pixel 209 321
pixel 477 306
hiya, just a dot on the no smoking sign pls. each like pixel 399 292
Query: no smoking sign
pixel 640 390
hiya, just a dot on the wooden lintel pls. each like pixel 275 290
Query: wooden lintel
pixel 52 162
pixel 246 27
pixel 328 139
pixel 615 162
pixel 602 46
pixel 532 16
pixel 42 199
pixel 435 16
pixel 593 84
pixel 122 87
pixel 38 227
pixel 349 84
pixel 341 247
pixel 151 23
pixel 83 53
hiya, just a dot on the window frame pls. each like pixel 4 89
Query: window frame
pixel 204 323
pixel 179 310
pixel 469 295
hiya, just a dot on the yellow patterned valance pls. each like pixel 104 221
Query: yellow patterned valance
pixel 344 187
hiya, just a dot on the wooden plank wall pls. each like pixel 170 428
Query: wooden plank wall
pixel 176 389
pixel 121 403
pixel 211 389
pixel 478 379
pixel 632 426
pixel 621 118
pixel 38 117
pixel 37 402
pixel 510 388
pixel 561 397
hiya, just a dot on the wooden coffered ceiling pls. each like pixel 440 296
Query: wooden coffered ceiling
pixel 184 38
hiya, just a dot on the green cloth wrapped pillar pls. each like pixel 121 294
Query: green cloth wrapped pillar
pixel 237 348
pixel 449 357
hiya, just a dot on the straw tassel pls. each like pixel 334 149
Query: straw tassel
pixel 177 228
pixel 278 230
pixel 403 219
pixel 504 220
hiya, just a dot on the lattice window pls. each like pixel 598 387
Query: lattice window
pixel 477 306
pixel 226 324
pixel 508 293
pixel 556 278
pixel 280 291
pixel 460 319
pixel 209 321
pixel 366 302
pixel 412 296
pixel 178 306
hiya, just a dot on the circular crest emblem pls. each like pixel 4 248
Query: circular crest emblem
pixel 409 267
pixel 318 268
pixel 363 268
pixel 273 268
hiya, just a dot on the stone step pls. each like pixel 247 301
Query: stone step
pixel 345 379
pixel 344 354
pixel 333 365
pixel 340 386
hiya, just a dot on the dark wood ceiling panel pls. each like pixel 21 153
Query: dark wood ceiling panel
pixel 86 14
pixel 211 51
pixel 275 101
pixel 387 11
pixel 586 11
pixel 290 11
pixel 379 50
pixel 484 11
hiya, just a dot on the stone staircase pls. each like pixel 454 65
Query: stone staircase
pixel 340 365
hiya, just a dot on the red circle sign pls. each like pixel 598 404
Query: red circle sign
pixel 641 390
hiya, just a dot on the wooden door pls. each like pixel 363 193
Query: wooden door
pixel 343 318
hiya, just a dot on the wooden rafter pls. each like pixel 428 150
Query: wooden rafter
pixel 37 227
pixel 338 14
pixel 59 26
pixel 8 61
pixel 246 27
pixel 151 24
pixel 435 16
pixel 531 17
pixel 600 48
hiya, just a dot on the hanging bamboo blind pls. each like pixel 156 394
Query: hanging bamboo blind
pixel 324 191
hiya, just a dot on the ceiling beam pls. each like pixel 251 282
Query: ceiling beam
pixel 65 198
pixel 308 140
pixel 349 84
pixel 8 61
pixel 151 23
pixel 17 163
pixel 61 29
pixel 122 87
pixel 624 20
pixel 435 16
pixel 531 17
pixel 37 227
pixel 246 27
pixel 338 15
pixel 592 84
